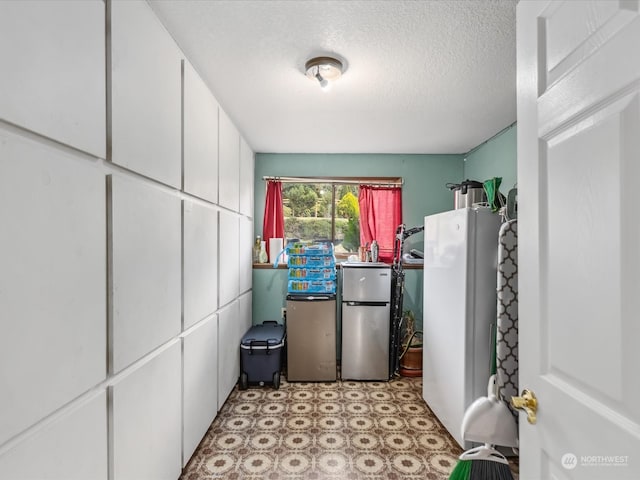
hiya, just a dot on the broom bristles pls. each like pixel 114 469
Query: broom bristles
pixel 462 471
pixel 489 470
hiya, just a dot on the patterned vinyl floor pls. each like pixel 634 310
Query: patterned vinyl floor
pixel 340 430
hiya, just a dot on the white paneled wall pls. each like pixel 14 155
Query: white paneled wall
pixel 245 314
pixel 246 178
pixel 229 257
pixel 146 277
pixel 145 94
pixel 200 138
pixel 200 262
pixel 147 420
pixel 52 280
pixel 246 254
pixel 229 363
pixel 53 81
pixel 200 383
pixel 233 322
pixel 126 217
pixel 72 446
pixel 229 158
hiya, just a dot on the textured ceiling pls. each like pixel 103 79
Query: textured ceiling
pixel 422 76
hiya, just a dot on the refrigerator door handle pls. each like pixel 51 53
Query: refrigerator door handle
pixel 366 304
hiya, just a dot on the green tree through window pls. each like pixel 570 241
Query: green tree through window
pixel 316 212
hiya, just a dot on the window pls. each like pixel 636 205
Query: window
pixel 322 212
pixel 328 210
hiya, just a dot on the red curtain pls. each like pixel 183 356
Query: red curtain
pixel 380 215
pixel 273 225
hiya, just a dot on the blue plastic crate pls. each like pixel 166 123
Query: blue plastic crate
pixel 311 261
pixel 312 273
pixel 312 286
pixel 317 249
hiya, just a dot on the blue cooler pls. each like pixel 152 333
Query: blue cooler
pixel 261 354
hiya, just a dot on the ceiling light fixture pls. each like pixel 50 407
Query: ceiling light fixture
pixel 324 70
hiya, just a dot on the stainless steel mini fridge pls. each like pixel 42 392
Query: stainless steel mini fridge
pixel 366 296
pixel 311 338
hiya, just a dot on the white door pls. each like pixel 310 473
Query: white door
pixel 579 241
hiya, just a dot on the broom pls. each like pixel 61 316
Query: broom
pixel 482 463
pixel 487 420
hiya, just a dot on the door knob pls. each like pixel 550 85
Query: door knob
pixel 527 402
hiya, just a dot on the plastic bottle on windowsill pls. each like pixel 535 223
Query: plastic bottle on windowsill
pixel 263 252
pixel 256 250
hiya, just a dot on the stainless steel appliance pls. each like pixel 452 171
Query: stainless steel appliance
pixel 467 193
pixel 366 296
pixel 311 338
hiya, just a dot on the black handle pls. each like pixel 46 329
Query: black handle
pixel 258 343
pixel 261 343
pixel 366 304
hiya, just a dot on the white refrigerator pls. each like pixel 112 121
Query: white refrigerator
pixel 459 311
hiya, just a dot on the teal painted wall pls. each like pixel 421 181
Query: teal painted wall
pixel 424 193
pixel 494 158
pixel 424 177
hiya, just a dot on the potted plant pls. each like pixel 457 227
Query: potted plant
pixel 411 356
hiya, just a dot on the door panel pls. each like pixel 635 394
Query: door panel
pixel 578 150
pixel 576 29
pixel 574 166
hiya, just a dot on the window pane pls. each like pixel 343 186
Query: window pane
pixel 347 235
pixel 311 216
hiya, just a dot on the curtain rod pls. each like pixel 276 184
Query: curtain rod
pixel 366 181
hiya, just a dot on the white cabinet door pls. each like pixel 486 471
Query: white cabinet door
pixel 145 93
pixel 146 268
pixel 246 178
pixel 53 70
pixel 246 254
pixel 228 350
pixel 71 447
pixel 229 281
pixel 200 137
pixel 229 159
pixel 579 261
pixel 147 419
pixel 200 262
pixel 52 280
pixel 200 383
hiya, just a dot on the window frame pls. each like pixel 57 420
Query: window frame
pixel 335 182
